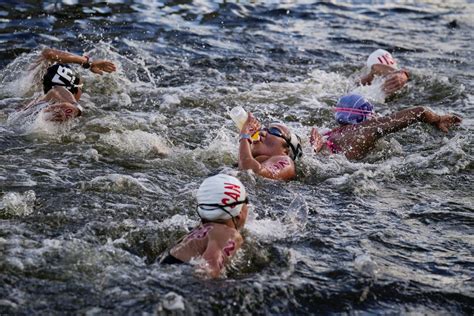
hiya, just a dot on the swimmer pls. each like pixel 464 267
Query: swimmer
pixel 62 86
pixel 222 207
pixel 382 64
pixel 359 133
pixel 273 155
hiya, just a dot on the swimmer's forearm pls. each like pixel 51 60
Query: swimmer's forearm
pixel 246 160
pixel 421 114
pixel 55 55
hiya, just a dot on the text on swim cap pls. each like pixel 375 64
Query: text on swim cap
pixel 232 191
pixel 386 59
pixel 65 73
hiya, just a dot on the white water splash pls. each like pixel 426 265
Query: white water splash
pixel 120 183
pixel 136 143
pixel 18 204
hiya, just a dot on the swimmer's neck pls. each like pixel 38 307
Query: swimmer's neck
pixel 229 223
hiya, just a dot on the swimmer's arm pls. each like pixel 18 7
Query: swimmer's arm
pixel 214 259
pixel 404 118
pixel 97 66
pixel 54 55
pixel 376 70
pixel 246 160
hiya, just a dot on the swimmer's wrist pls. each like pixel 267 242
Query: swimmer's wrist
pixel 87 64
pixel 246 137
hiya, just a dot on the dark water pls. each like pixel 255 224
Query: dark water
pixel 85 209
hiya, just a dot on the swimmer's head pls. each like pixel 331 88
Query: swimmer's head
pixel 353 109
pixel 381 56
pixel 286 138
pixel 295 146
pixel 62 75
pixel 220 198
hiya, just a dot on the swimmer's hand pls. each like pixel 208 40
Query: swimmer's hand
pixel 445 122
pixel 376 70
pixel 394 81
pixel 316 140
pixel 251 125
pixel 101 66
pixel 381 70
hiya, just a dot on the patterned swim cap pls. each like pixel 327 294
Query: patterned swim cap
pixel 220 197
pixel 353 109
pixel 61 75
pixel 381 56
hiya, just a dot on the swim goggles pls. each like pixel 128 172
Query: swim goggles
pixel 222 207
pixel 275 131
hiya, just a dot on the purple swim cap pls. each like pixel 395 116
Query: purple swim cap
pixel 353 109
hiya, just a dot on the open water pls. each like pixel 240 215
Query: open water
pixel 85 209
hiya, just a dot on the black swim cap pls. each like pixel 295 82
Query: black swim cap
pixel 61 75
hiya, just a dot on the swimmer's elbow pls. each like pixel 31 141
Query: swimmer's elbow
pixel 249 163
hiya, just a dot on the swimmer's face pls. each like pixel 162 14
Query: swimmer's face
pixel 242 218
pixel 272 141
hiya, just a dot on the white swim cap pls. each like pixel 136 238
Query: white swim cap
pixel 381 56
pixel 295 146
pixel 220 197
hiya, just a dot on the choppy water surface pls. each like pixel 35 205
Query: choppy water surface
pixel 85 209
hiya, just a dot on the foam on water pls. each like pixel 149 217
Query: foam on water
pixel 22 77
pixel 18 204
pixel 121 183
pixel 135 143
pixel 31 122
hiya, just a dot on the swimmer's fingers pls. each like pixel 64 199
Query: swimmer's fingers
pixel 101 66
pixel 316 140
pixel 251 125
pixel 96 70
pixel 394 82
pixel 447 121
